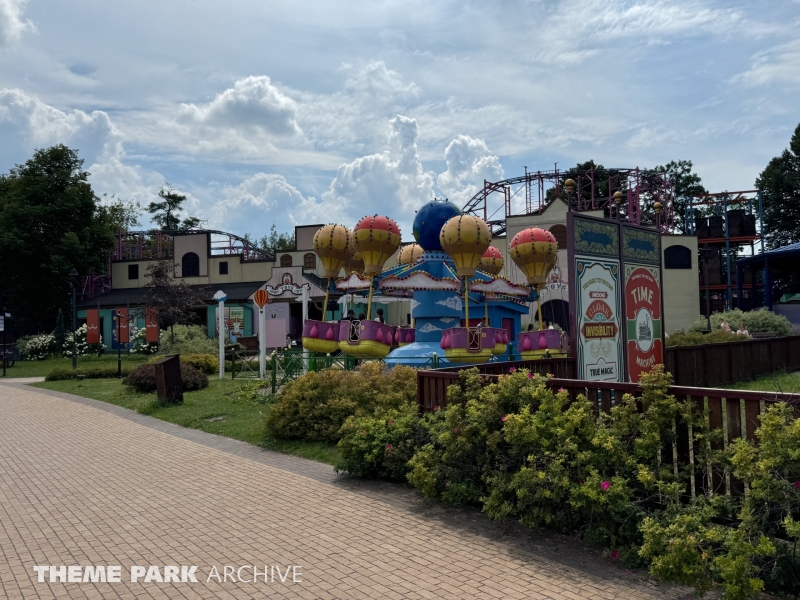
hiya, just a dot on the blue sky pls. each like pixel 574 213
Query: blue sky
pixel 308 112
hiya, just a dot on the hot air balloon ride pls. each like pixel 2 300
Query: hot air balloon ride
pixel 332 245
pixel 375 238
pixel 465 238
pixel 492 264
pixel 535 252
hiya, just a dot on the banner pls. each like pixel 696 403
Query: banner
pixel 151 325
pixel 235 323
pixel 597 311
pixel 121 326
pixel 92 326
pixel 643 319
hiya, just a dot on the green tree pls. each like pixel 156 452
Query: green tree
pixel 780 186
pixel 275 242
pixel 166 213
pixel 174 300
pixel 687 185
pixel 50 222
pixel 122 215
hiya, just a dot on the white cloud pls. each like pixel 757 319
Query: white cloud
pixel 252 104
pixel 12 25
pixel 469 163
pixel 392 182
pixel 780 64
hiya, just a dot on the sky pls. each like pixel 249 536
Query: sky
pixel 269 112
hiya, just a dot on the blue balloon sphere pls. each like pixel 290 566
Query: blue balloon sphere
pixel 429 222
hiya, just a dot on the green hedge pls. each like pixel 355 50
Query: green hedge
pixel 99 373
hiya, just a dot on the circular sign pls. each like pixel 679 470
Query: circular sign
pixel 260 298
pixel 644 330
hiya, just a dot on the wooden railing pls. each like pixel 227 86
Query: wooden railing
pixel 733 412
pixel 711 365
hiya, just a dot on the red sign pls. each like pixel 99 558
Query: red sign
pixel 122 326
pixel 260 298
pixel 92 326
pixel 598 307
pixel 644 322
pixel 151 325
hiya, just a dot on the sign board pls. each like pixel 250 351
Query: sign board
pixel 235 322
pixel 121 326
pixel 644 321
pixel 151 325
pixel 260 298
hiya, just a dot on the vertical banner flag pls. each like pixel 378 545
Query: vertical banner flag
pixel 123 336
pixel 151 325
pixel 92 326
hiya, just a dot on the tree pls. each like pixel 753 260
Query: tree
pixel 779 183
pixel 687 185
pixel 122 215
pixel 166 214
pixel 173 299
pixel 275 242
pixel 59 333
pixel 50 222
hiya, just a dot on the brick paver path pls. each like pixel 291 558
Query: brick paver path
pixel 87 483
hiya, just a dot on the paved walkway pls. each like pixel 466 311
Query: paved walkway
pixel 87 483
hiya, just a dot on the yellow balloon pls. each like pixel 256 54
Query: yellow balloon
pixel 409 254
pixel 376 238
pixel 535 252
pixel 332 245
pixel 465 238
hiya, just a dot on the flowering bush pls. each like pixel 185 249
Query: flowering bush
pixel 188 339
pixel 37 347
pixel 141 345
pixel 82 348
pixel 761 320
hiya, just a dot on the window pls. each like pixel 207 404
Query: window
pixel 223 267
pixel 133 271
pixel 560 233
pixel 190 265
pixel 286 260
pixel 677 257
pixel 310 261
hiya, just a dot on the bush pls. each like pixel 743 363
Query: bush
pixel 97 373
pixel 693 338
pixel 143 378
pixel 316 405
pixel 206 363
pixel 35 347
pixel 754 321
pixel 254 391
pixel 381 446
pixel 189 339
pixel 140 343
pixel 82 348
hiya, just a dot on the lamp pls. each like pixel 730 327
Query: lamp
pixel 618 201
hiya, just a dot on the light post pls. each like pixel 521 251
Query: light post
pixel 618 202
pixel 73 280
pixel 569 185
pixel 657 207
pixel 706 250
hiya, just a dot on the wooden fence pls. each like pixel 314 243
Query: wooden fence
pixel 712 365
pixel 734 412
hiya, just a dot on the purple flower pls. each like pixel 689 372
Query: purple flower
pixel 446 485
pixel 512 369
pixel 388 446
pixel 797 485
pixel 455 430
pixel 614 555
pixel 530 375
pixel 391 422
pixel 504 419
pixel 436 408
pixel 605 485
pixel 561 390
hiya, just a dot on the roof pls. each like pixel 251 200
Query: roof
pixel 777 253
pixel 237 292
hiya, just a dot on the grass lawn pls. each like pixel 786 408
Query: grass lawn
pixel 777 382
pixel 40 368
pixel 214 410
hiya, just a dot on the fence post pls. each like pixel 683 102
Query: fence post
pixel 435 361
pixel 274 373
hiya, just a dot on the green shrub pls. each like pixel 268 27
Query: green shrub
pixel 254 391
pixel 97 373
pixel 381 446
pixel 36 347
pixel 189 339
pixel 82 347
pixel 316 405
pixel 207 363
pixel 143 378
pixel 694 338
pixel 761 320
pixel 140 343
